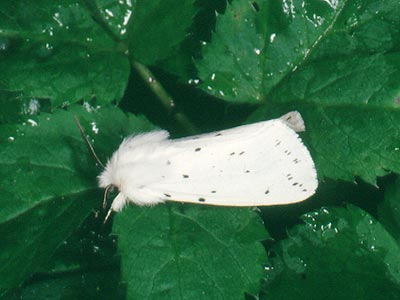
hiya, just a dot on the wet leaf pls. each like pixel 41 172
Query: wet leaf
pixel 175 251
pixel 48 184
pixel 338 253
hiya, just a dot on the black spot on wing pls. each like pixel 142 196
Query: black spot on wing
pixel 233 153
pixel 213 192
pixel 167 195
pixel 185 176
pixel 218 134
pixel 247 171
pixel 241 153
pixel 197 149
pixel 266 192
pixel 202 200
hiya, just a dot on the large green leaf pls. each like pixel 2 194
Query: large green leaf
pixel 176 251
pixel 327 52
pixel 56 50
pixel 49 183
pixel 338 253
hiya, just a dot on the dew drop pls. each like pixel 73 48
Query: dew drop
pixel 4 43
pixel 32 122
pixel 272 37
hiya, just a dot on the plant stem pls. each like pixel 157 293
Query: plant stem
pixel 166 99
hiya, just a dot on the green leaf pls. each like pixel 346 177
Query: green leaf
pixel 59 52
pixel 84 265
pixel 49 183
pixel 338 253
pixel 157 27
pixel 329 52
pixel 232 66
pixel 348 141
pixel 29 239
pixel 176 251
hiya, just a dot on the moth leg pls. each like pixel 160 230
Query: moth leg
pixel 117 205
pixel 107 216
pixel 108 188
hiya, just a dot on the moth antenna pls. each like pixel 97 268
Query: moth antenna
pixel 108 215
pixel 88 143
pixel 108 188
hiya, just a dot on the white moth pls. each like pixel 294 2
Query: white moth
pixel 252 165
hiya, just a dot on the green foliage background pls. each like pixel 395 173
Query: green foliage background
pixel 125 67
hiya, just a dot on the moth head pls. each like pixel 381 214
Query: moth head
pixel 108 182
pixel 106 179
pixel 110 175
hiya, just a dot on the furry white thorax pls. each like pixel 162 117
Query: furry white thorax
pixel 129 165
